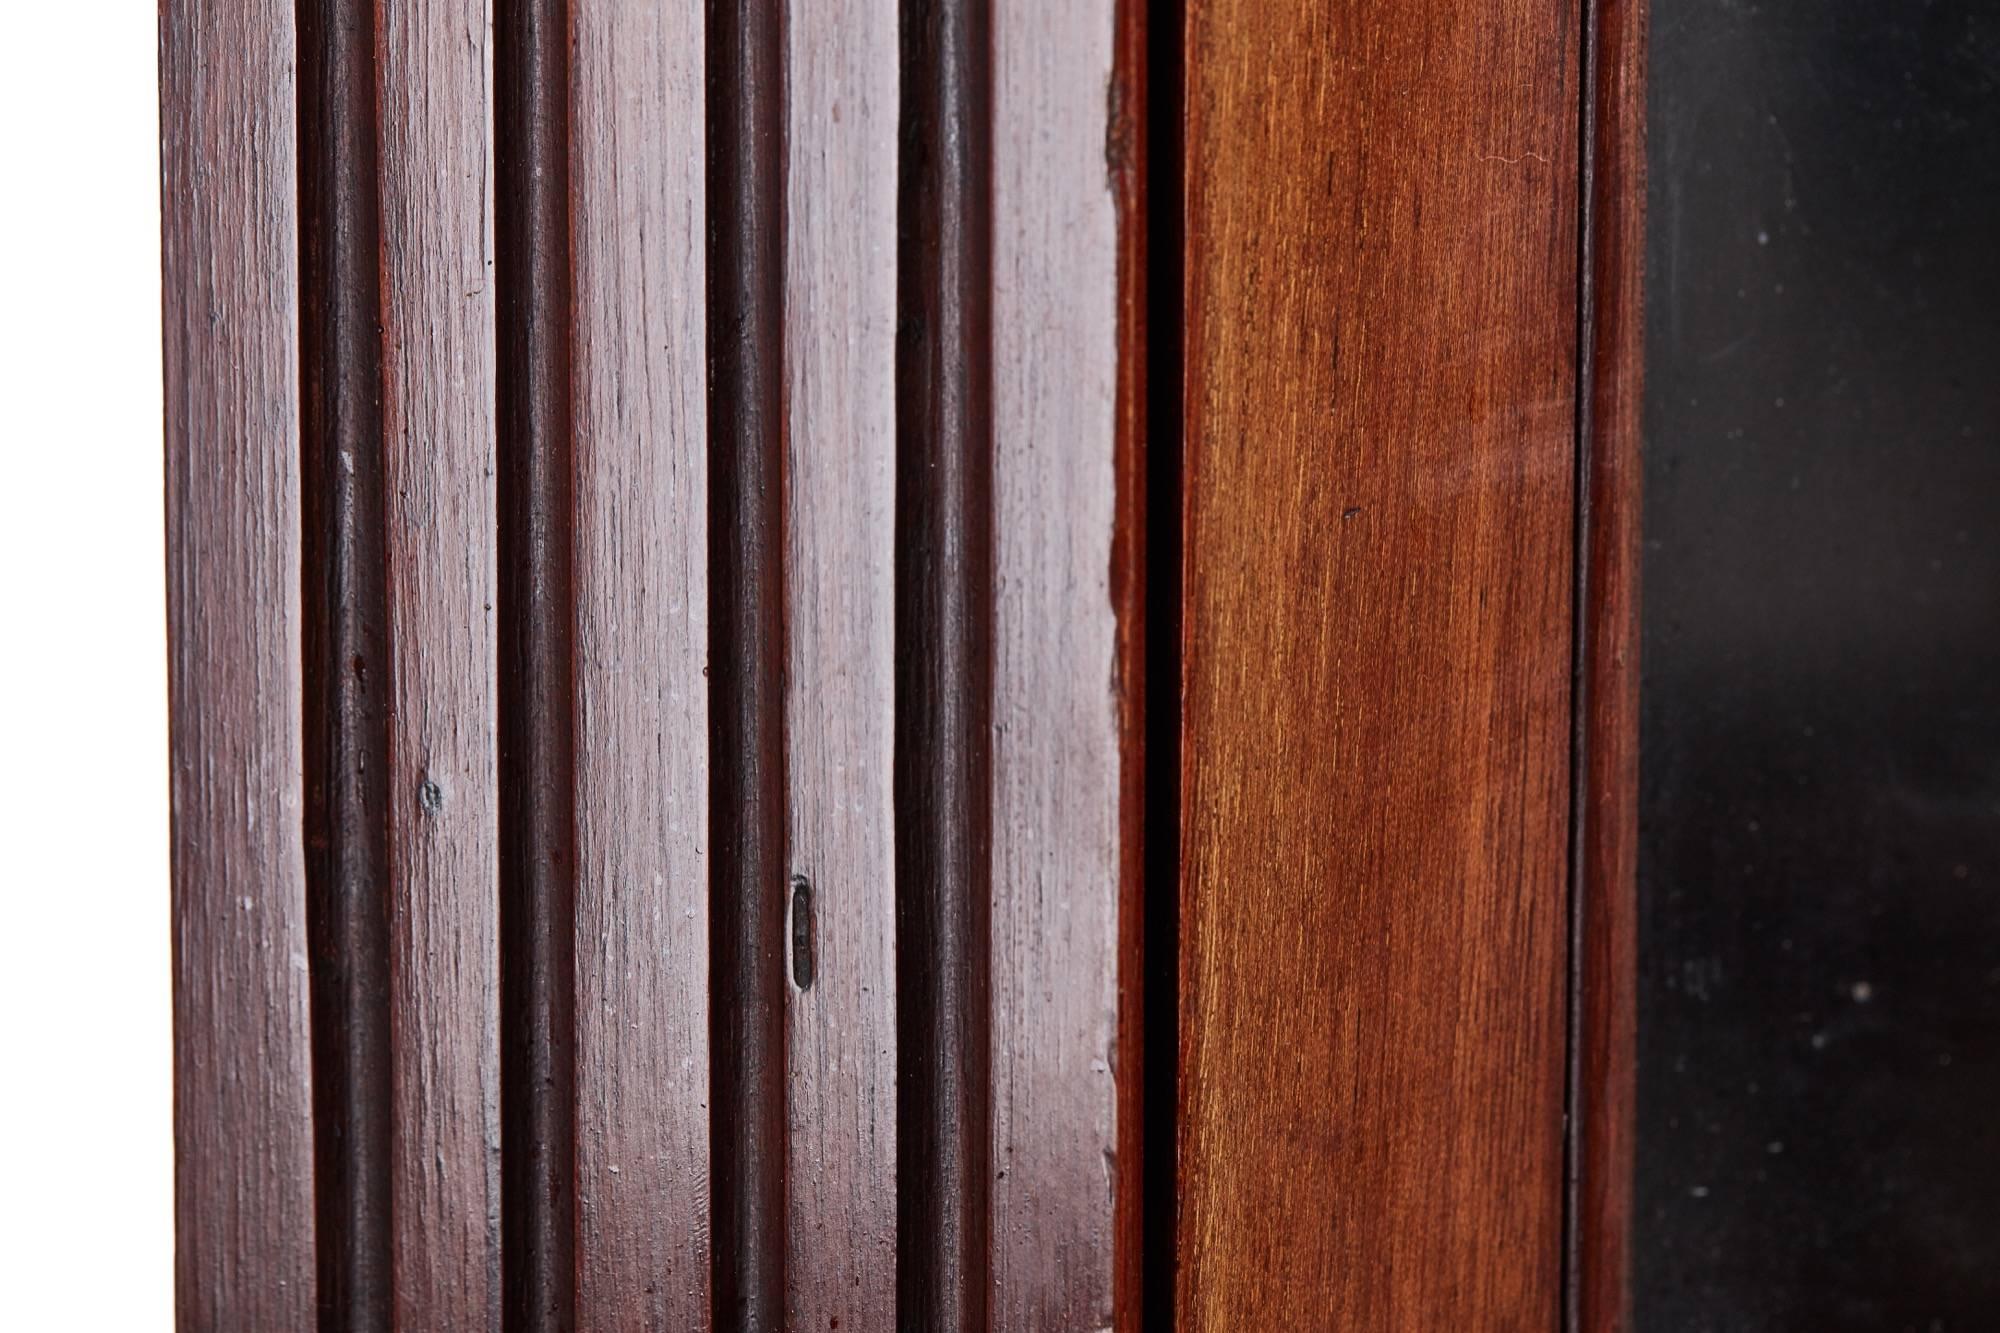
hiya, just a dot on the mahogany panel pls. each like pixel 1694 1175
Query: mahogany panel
pixel 438 433
pixel 1059 834
pixel 840 460
pixel 1605 805
pixel 1381 260
pixel 641 548
pixel 243 1170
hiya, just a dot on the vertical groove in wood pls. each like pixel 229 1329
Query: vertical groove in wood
pixel 1166 315
pixel 243 1201
pixel 750 891
pixel 1604 926
pixel 944 672
pixel 347 659
pixel 538 676
pixel 1381 295
pixel 839 342
pixel 434 84
pixel 640 560
pixel 1057 832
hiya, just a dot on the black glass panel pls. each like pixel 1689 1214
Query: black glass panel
pixel 1819 1086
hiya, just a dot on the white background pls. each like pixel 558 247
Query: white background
pixel 86 1100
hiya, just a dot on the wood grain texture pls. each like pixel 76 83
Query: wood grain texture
pixel 243 1200
pixel 750 892
pixel 438 469
pixel 537 610
pixel 1380 420
pixel 1057 827
pixel 944 665
pixel 1605 829
pixel 637 164
pixel 840 322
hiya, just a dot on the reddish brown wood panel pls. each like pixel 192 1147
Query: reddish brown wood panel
pixel 642 695
pixel 1380 419
pixel 1058 850
pixel 243 1192
pixel 1604 1011
pixel 839 338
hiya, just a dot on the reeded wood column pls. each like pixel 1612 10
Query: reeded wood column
pixel 655 550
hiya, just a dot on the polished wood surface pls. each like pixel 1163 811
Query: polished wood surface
pixel 243 1174
pixel 1381 296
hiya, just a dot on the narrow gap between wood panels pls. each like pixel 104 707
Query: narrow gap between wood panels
pixel 1165 403
pixel 750 890
pixel 944 664
pixel 1576 1101
pixel 537 676
pixel 345 671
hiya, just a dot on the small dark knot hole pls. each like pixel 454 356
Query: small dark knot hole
pixel 803 933
pixel 430 796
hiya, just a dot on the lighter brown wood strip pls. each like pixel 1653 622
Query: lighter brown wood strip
pixel 637 182
pixel 438 450
pixel 1381 269
pixel 1057 830
pixel 243 1203
pixel 840 327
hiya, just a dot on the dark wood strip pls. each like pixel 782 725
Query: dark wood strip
pixel 537 667
pixel 1058 851
pixel 1604 940
pixel 433 82
pixel 840 322
pixel 640 561
pixel 346 674
pixel 1127 148
pixel 750 892
pixel 944 675
pixel 243 1200
pixel 1380 433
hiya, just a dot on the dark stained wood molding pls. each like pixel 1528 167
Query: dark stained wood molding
pixel 243 1172
pixel 944 665
pixel 1605 803
pixel 347 658
pixel 1128 148
pixel 749 887
pixel 538 677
